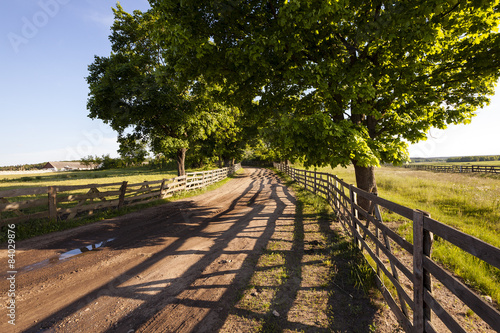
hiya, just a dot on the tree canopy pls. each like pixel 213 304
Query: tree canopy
pixel 132 150
pixel 348 81
pixel 135 91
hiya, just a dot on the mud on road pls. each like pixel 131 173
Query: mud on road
pixel 177 267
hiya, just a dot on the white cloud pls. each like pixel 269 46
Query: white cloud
pixel 105 20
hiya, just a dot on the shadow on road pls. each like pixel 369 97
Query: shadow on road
pixel 221 251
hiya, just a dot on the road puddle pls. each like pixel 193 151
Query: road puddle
pixel 66 255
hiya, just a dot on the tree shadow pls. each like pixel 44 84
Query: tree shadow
pixel 349 309
pixel 182 226
pixel 202 297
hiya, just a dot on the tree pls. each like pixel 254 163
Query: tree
pixel 92 161
pixel 134 92
pixel 228 142
pixel 132 150
pixel 259 152
pixel 107 162
pixel 87 161
pixel 342 81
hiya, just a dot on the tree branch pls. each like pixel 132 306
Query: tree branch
pixel 352 50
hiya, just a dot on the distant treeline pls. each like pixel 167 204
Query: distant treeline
pixel 474 158
pixel 428 160
pixel 23 167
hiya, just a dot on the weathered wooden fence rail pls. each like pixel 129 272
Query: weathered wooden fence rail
pixel 414 306
pixel 68 202
pixel 456 168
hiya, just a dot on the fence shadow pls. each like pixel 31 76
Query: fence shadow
pixel 407 285
pixel 188 223
pixel 202 298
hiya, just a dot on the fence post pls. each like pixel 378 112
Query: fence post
pixel 123 190
pixel 328 188
pixel 422 246
pixel 336 194
pixel 354 215
pixel 315 181
pixel 305 179
pixel 52 195
pixel 428 240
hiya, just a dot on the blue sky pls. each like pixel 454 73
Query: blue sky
pixel 45 48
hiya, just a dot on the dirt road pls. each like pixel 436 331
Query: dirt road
pixel 171 268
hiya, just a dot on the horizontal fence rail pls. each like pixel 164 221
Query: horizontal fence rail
pixel 456 168
pixel 69 202
pixel 407 266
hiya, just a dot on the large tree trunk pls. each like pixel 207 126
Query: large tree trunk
pixel 181 158
pixel 365 180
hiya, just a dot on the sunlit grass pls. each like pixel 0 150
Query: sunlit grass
pixel 132 175
pixel 483 163
pixel 313 264
pixel 32 228
pixel 468 202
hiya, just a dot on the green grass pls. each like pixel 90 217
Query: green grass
pixel 468 202
pixel 38 227
pixel 485 163
pixel 132 175
pixel 309 274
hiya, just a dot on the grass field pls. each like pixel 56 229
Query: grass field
pixel 42 226
pixel 485 163
pixel 132 175
pixel 468 202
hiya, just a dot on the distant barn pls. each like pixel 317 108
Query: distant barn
pixel 68 166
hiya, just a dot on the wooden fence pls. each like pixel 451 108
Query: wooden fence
pixel 413 301
pixel 68 202
pixel 456 168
